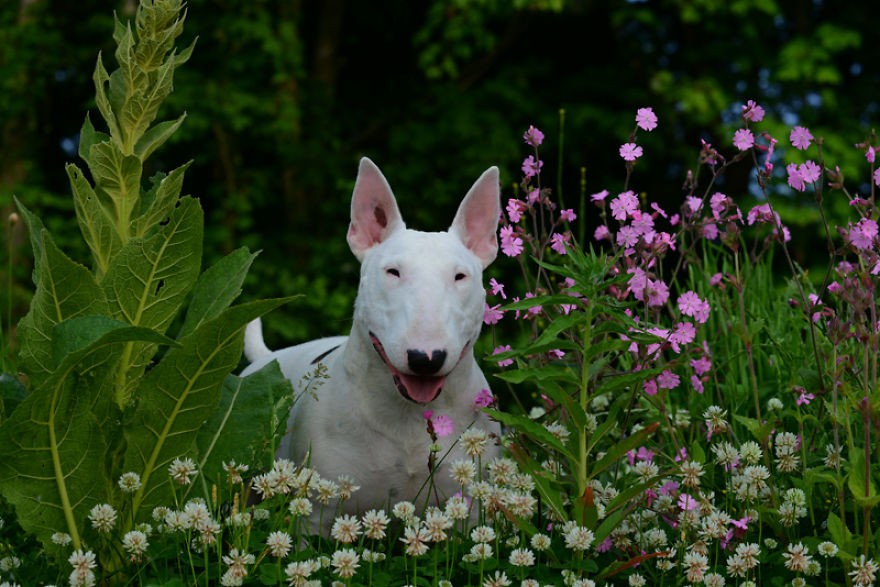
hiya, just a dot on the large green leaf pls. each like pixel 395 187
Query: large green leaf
pixel 65 289
pixel 158 202
pixel 95 223
pixel 178 395
pixel 217 288
pixel 252 411
pixel 119 177
pixel 149 280
pixel 52 447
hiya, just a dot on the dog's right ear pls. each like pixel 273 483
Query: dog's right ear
pixel 374 213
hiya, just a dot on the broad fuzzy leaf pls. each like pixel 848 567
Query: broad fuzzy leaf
pixel 65 289
pixel 251 411
pixel 157 203
pixel 119 177
pixel 178 396
pixel 156 136
pixel 52 447
pixel 96 225
pixel 150 278
pixel 217 288
pixel 102 79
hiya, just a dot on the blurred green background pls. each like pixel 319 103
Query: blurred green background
pixel 284 97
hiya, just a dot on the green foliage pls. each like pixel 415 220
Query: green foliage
pixel 111 390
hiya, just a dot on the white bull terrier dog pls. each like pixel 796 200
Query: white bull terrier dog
pixel 418 312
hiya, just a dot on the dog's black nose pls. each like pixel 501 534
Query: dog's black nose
pixel 421 364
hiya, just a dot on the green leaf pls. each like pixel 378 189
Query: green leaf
pixel 217 288
pixel 544 373
pixel 119 177
pixel 65 289
pixel 141 107
pixel 88 136
pixel 528 427
pixel 619 449
pixel 101 79
pixel 149 279
pixel 159 201
pixel 861 486
pixel 244 427
pixel 12 393
pixel 178 395
pixel 52 446
pixel 156 136
pixel 95 221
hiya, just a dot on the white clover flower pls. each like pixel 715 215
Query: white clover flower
pixel 463 472
pixel 540 542
pixel 483 534
pixel 375 522
pixel 129 482
pixel 234 471
pixel 473 441
pixel 135 544
pixel 279 544
pixel 751 452
pixel 501 470
pixel 298 573
pixel 176 521
pixel 415 539
pixel 864 571
pixel 237 562
pixel 240 519
pixel 183 470
pixel 82 561
pixel 404 511
pixel 9 563
pixel 498 580
pixel 300 506
pixel 713 580
pixel 579 538
pixel 326 490
pixel 827 549
pixel 774 404
pixel 196 514
pixel 371 556
pixel 160 512
pixel 208 532
pixel 457 508
pixel 103 517
pixel 61 538
pixel 261 514
pixel 347 486
pixel 437 523
pixel 637 580
pixel 695 566
pixel 283 475
pixel 346 529
pixel 522 557
pixel 481 551
pixel 797 557
pixel 345 562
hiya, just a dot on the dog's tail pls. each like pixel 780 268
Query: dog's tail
pixel 254 346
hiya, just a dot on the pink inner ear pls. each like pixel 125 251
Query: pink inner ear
pixel 374 213
pixel 477 218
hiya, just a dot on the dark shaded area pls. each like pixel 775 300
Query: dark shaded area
pixel 284 97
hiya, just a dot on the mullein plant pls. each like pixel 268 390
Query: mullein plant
pixel 114 397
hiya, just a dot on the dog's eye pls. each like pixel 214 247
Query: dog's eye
pixel 392 271
pixel 460 276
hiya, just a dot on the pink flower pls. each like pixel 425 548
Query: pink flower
pixel 810 171
pixel 803 397
pixel 492 314
pixel 862 235
pixel 484 398
pixel 716 279
pixel 627 236
pixel 761 213
pixel 646 119
pixel 690 304
pixel 502 349
pixel 511 245
pixel 795 179
pixel 877 177
pixel 693 205
pixel 534 195
pixel 751 111
pixel 702 365
pixel 515 209
pixel 555 353
pixel 531 167
pixel 497 288
pixel 602 233
pixel 568 215
pixel 658 292
pixel 630 151
pixel 718 203
pixel 443 425
pixel 624 205
pixel 650 387
pixel 743 139
pixel 599 196
pixel 533 136
pixel 870 154
pixel 800 137
pixel 558 242
pixel 668 380
pixel 687 503
pixel 684 333
pixel 697 384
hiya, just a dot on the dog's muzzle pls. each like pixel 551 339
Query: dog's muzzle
pixel 420 389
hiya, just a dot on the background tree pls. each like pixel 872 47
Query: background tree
pixel 283 97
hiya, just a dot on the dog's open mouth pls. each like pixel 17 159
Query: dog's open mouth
pixel 420 389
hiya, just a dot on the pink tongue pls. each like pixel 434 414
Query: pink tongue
pixel 422 389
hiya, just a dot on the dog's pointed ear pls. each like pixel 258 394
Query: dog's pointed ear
pixel 374 213
pixel 476 221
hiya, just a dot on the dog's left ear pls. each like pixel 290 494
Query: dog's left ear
pixel 476 221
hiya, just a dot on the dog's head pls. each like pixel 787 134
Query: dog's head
pixel 421 295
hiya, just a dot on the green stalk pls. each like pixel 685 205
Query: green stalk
pixel 584 397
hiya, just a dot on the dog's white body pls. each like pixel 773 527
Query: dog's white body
pixel 417 315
